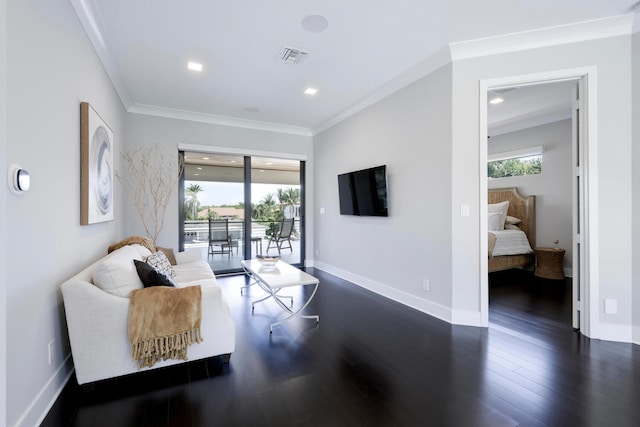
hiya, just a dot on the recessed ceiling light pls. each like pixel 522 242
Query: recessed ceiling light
pixel 205 158
pixel 196 174
pixel 199 169
pixel 194 66
pixel 310 91
pixel 497 100
pixel 315 23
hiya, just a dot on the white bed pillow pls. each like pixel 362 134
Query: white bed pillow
pixel 512 220
pixel 493 223
pixel 500 208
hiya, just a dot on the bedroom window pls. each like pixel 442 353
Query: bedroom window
pixel 515 163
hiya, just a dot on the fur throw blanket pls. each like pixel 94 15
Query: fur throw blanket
pixel 163 322
pixel 132 240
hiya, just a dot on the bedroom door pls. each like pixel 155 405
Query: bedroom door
pixel 579 211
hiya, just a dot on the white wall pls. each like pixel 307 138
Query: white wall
pixel 408 131
pixel 411 133
pixel 552 187
pixel 168 133
pixel 611 59
pixel 51 68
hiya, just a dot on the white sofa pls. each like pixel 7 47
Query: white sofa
pixel 97 319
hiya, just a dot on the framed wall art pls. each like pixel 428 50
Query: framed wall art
pixel 96 168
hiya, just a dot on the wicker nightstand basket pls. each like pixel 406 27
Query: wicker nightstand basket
pixel 549 263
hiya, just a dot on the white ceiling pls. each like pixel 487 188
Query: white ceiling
pixel 528 106
pixel 368 48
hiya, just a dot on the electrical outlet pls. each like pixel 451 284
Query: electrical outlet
pixel 51 352
pixel 426 286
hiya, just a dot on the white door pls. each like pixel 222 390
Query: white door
pixel 579 212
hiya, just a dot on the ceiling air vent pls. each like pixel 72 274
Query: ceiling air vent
pixel 290 55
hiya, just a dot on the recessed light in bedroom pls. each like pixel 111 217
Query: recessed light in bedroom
pixel 495 101
pixel 194 66
pixel 311 91
pixel 315 23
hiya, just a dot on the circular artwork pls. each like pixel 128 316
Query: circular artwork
pixel 101 171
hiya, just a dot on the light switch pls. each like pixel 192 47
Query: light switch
pixel 464 210
pixel 610 306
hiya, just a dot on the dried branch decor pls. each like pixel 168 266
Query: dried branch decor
pixel 152 176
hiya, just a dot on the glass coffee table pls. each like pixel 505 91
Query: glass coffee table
pixel 272 279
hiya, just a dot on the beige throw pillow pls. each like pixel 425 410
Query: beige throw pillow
pixel 168 252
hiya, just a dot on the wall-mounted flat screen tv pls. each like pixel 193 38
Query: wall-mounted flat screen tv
pixel 364 192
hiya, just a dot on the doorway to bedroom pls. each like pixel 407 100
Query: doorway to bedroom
pixel 536 137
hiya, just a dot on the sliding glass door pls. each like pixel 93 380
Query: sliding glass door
pixel 276 207
pixel 236 207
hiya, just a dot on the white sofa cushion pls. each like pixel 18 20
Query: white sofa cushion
pixel 142 251
pixel 116 273
pixel 193 271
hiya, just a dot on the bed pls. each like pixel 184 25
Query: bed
pixel 523 208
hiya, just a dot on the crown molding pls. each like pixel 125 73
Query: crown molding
pixel 413 74
pixel 540 117
pixel 602 28
pixel 543 37
pixel 87 14
pixel 193 116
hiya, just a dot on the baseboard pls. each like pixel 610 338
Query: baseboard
pixel 467 318
pixel 635 335
pixel 428 307
pixel 615 332
pixel 44 401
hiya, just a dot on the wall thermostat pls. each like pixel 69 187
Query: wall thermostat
pixel 19 179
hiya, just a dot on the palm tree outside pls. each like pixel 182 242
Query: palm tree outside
pixel 192 203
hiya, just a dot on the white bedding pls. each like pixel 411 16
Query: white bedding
pixel 511 242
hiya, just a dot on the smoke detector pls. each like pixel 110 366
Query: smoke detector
pixel 290 55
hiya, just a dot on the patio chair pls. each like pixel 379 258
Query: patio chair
pixel 281 236
pixel 219 236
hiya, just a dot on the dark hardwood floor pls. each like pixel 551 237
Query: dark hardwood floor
pixel 374 362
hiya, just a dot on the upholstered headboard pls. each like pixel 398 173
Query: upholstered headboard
pixel 523 207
